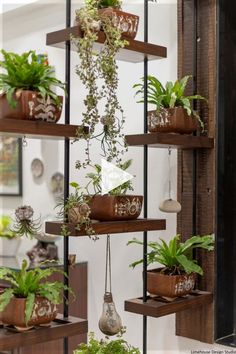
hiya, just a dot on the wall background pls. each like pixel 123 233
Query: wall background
pixel 23 29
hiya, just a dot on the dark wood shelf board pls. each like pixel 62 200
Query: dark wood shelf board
pixel 164 140
pixel 229 340
pixel 109 227
pixel 60 328
pixel 36 129
pixel 156 307
pixel 134 52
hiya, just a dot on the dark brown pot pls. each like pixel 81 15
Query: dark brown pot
pixel 169 285
pixel 43 313
pixel 111 208
pixel 171 120
pixel 126 22
pixel 31 106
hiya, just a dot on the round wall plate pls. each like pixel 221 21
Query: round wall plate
pixel 57 184
pixel 37 168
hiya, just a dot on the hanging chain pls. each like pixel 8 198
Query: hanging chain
pixel 108 265
pixel 169 157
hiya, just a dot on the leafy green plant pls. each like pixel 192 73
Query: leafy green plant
pixel 176 256
pixel 31 283
pixel 5 227
pixel 96 180
pixel 169 96
pixel 95 68
pixel 27 72
pixel 106 346
pixel 109 3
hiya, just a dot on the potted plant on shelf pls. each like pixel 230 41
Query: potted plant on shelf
pixel 10 239
pixel 27 88
pixel 31 299
pixel 177 277
pixel 97 71
pixel 116 204
pixel 106 346
pixel 173 113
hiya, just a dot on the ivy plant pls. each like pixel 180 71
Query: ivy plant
pixel 176 257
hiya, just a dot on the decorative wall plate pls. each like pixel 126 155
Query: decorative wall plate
pixel 37 168
pixel 57 184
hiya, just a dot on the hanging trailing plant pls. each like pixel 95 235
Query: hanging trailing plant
pixel 98 73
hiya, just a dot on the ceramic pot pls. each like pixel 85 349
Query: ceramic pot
pixel 10 246
pixel 78 213
pixel 171 120
pixel 169 285
pixel 126 22
pixel 111 208
pixel 31 106
pixel 44 312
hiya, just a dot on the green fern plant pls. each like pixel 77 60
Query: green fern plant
pixel 31 283
pixel 176 256
pixel 27 71
pixel 169 96
pixel 109 3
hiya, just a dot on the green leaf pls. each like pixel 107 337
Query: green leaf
pixel 5 298
pixel 29 306
pixel 188 265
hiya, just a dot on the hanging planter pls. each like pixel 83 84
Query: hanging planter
pixel 27 88
pixel 177 277
pixel 173 113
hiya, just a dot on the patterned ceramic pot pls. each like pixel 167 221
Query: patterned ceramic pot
pixel 169 285
pixel 31 106
pixel 126 22
pixel 43 313
pixel 111 208
pixel 171 120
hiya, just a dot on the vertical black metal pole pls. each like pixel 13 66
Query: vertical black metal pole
pixel 145 179
pixel 194 178
pixel 67 162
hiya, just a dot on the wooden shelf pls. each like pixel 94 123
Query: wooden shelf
pixel 36 129
pixel 109 227
pixel 60 328
pixel 164 140
pixel 156 307
pixel 134 52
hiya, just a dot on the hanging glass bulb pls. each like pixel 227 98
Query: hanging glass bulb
pixel 110 321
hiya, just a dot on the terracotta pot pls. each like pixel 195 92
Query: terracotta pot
pixel 171 120
pixel 111 208
pixel 169 285
pixel 31 106
pixel 78 213
pixel 126 22
pixel 43 313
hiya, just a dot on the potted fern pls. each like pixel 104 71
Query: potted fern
pixel 173 110
pixel 106 346
pixel 27 85
pixel 10 239
pixel 31 299
pixel 177 277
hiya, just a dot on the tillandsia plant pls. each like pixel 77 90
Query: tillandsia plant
pixel 24 222
pixel 27 71
pixel 29 284
pixel 96 180
pixel 5 227
pixel 100 68
pixel 106 346
pixel 77 210
pixel 169 96
pixel 176 257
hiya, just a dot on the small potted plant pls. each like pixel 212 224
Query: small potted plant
pixel 10 239
pixel 116 205
pixel 173 113
pixel 31 299
pixel 106 346
pixel 177 277
pixel 27 85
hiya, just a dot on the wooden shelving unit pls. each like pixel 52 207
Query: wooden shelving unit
pixel 164 140
pixel 60 328
pixel 109 227
pixel 156 307
pixel 37 129
pixel 135 52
